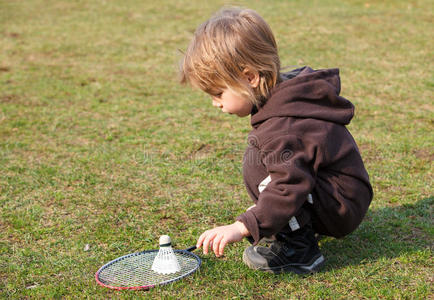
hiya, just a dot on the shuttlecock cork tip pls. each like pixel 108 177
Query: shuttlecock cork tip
pixel 165 241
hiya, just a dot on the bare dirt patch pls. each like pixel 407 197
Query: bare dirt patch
pixel 424 154
pixel 9 98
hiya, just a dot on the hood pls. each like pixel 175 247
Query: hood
pixel 307 93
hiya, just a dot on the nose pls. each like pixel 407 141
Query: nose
pixel 216 104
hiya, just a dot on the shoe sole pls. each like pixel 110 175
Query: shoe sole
pixel 290 268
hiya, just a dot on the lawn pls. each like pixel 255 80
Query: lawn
pixel 102 151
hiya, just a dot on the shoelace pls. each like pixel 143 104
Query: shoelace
pixel 281 247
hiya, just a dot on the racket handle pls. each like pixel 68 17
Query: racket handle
pixel 192 248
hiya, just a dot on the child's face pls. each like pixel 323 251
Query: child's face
pixel 232 103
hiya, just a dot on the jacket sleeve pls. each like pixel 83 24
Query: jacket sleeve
pixel 290 164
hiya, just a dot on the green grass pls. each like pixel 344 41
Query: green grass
pixel 99 145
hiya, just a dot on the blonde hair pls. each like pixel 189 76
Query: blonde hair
pixel 224 46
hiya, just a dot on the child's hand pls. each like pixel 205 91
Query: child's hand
pixel 219 237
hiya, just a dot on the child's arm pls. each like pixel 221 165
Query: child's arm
pixel 219 237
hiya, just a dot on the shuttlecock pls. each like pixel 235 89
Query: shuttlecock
pixel 165 262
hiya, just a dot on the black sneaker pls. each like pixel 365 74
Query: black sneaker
pixel 296 252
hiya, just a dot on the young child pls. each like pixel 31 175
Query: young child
pixel 302 167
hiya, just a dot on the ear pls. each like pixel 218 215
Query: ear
pixel 252 77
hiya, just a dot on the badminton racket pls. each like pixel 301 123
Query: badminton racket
pixel 133 271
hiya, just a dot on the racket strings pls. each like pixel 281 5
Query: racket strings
pixel 135 270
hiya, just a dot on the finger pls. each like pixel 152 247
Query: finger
pixel 222 246
pixel 208 239
pixel 216 244
pixel 200 240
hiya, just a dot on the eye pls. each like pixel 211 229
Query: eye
pixel 218 95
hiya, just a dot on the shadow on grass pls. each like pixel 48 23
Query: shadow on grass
pixel 385 233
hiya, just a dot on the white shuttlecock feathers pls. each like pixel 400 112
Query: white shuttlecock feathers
pixel 165 262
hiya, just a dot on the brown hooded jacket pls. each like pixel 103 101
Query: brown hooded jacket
pixel 300 149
